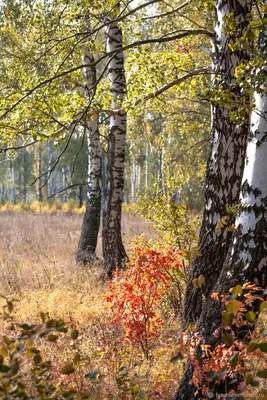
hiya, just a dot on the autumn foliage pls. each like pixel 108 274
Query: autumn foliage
pixel 240 357
pixel 136 294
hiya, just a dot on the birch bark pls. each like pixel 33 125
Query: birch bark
pixel 113 249
pixel 246 260
pixel 91 221
pixel 226 160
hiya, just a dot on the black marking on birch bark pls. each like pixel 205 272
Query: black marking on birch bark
pixel 113 250
pixel 91 221
pixel 264 137
pixel 223 178
pixel 246 260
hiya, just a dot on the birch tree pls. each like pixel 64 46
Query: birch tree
pixel 113 249
pixel 91 221
pixel 246 260
pixel 227 154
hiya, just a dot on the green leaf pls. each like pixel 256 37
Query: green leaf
pixel 262 373
pixel 68 369
pixel 254 383
pixel 237 290
pixel 42 315
pixel 263 347
pixel 249 379
pixel 250 316
pixel 223 371
pixel 32 351
pixel 76 359
pixel 25 326
pixel 52 337
pixel 252 347
pixel 10 306
pixel 69 393
pixel 178 356
pixel 263 305
pixel 227 319
pixel 234 359
pixel 74 334
pixel 227 338
pixel 4 368
pixel 37 359
pixel 3 352
pixel 211 375
pixel 232 306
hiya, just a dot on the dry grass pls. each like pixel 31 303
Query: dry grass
pixel 37 267
pixel 38 250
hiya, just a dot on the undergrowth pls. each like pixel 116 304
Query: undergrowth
pixel 37 268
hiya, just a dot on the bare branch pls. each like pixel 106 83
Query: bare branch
pixel 168 12
pixel 66 188
pixel 19 147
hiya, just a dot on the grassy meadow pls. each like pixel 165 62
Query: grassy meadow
pixel 38 269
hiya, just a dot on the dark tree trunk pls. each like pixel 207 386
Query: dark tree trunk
pixel 4 179
pixel 23 155
pixel 91 221
pixel 19 178
pixel 39 174
pixel 226 160
pixel 49 165
pixel 113 249
pixel 13 184
pixel 80 196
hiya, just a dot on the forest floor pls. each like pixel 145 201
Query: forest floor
pixel 37 267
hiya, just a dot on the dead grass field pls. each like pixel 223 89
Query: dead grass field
pixel 37 267
pixel 38 250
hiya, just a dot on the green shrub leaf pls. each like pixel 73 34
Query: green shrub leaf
pixel 68 369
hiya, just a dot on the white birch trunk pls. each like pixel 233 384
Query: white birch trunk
pixel 226 160
pixel 91 221
pixel 113 249
pixel 133 179
pixel 146 173
pixel 246 260
pixel 247 256
pixel 138 178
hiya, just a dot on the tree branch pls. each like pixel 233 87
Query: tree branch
pixel 177 81
pixel 168 12
pixel 66 188
pixel 19 147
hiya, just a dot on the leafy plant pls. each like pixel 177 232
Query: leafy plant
pixel 240 357
pixel 176 225
pixel 24 373
pixel 135 296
